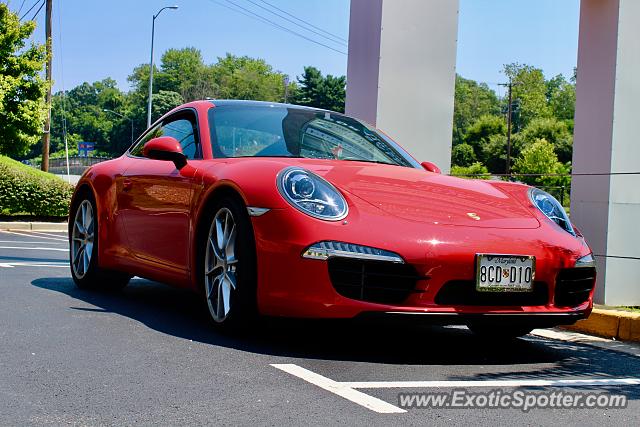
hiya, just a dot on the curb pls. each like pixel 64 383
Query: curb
pixel 33 226
pixel 617 324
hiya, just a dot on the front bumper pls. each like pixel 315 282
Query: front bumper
pixel 292 286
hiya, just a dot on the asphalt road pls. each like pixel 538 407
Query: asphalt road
pixel 147 355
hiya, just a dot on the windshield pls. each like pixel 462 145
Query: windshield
pixel 280 131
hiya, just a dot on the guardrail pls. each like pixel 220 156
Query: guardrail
pixel 77 164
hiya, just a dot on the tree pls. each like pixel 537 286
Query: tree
pixel 163 102
pixel 480 132
pixel 321 92
pixel 540 158
pixel 475 171
pixel 242 77
pixel 472 100
pixel 183 71
pixel 561 96
pixel 529 93
pixel 22 106
pixel 494 153
pixel 463 155
pixel 551 130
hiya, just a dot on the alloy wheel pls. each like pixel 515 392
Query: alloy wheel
pixel 83 235
pixel 220 265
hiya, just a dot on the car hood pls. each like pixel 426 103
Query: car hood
pixel 417 195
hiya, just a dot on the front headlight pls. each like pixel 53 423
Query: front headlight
pixel 311 194
pixel 552 208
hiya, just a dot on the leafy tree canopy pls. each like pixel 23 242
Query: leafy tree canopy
pixel 472 101
pixel 529 93
pixel 540 158
pixel 22 107
pixel 320 91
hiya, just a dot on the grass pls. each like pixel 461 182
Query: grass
pixel 31 171
pixel 632 308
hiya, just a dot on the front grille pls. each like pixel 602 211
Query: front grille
pixel 573 286
pixel 372 281
pixel 463 292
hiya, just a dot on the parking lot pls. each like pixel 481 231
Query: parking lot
pixel 147 355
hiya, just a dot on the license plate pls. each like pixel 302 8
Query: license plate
pixel 500 273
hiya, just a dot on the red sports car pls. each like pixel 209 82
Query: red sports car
pixel 281 210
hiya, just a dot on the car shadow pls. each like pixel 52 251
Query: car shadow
pixel 181 314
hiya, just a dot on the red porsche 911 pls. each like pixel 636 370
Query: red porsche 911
pixel 282 210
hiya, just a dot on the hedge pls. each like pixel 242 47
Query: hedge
pixel 25 190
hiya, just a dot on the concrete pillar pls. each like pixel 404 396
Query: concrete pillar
pixel 401 72
pixel 607 207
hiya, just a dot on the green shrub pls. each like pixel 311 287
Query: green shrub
pixel 24 189
pixel 475 171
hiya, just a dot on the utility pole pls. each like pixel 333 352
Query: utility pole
pixel 46 138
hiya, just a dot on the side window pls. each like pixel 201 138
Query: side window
pixel 183 130
pixel 182 127
pixel 154 133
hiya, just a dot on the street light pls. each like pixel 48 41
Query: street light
pixel 106 110
pixel 153 25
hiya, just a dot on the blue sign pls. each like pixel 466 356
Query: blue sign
pixel 84 148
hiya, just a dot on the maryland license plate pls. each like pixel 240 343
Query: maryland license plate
pixel 502 273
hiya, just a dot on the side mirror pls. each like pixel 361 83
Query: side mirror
pixel 431 167
pixel 165 148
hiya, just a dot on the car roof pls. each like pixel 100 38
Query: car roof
pixel 249 103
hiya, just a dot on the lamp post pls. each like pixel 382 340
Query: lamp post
pixel 153 25
pixel 106 110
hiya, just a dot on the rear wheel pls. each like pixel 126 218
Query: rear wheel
pixel 83 249
pixel 499 332
pixel 229 266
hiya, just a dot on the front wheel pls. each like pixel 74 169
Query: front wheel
pixel 229 266
pixel 83 250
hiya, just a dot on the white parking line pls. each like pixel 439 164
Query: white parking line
pixel 362 399
pixel 24 242
pixel 34 264
pixel 30 234
pixel 40 233
pixel 348 390
pixel 35 248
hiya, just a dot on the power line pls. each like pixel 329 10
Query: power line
pixel 302 20
pixel 37 11
pixel 267 21
pixel 21 6
pixel 30 9
pixel 331 38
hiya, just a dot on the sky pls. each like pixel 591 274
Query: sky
pixel 95 39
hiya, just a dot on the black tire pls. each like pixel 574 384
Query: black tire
pixel 499 332
pixel 243 299
pixel 93 277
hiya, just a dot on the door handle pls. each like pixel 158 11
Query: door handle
pixel 127 184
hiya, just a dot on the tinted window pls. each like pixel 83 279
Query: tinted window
pixel 181 127
pixel 278 131
pixel 183 130
pixel 137 150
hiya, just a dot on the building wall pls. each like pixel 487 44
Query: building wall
pixel 401 72
pixel 607 207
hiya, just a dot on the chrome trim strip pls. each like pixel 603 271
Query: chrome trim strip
pixel 255 211
pixel 324 250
